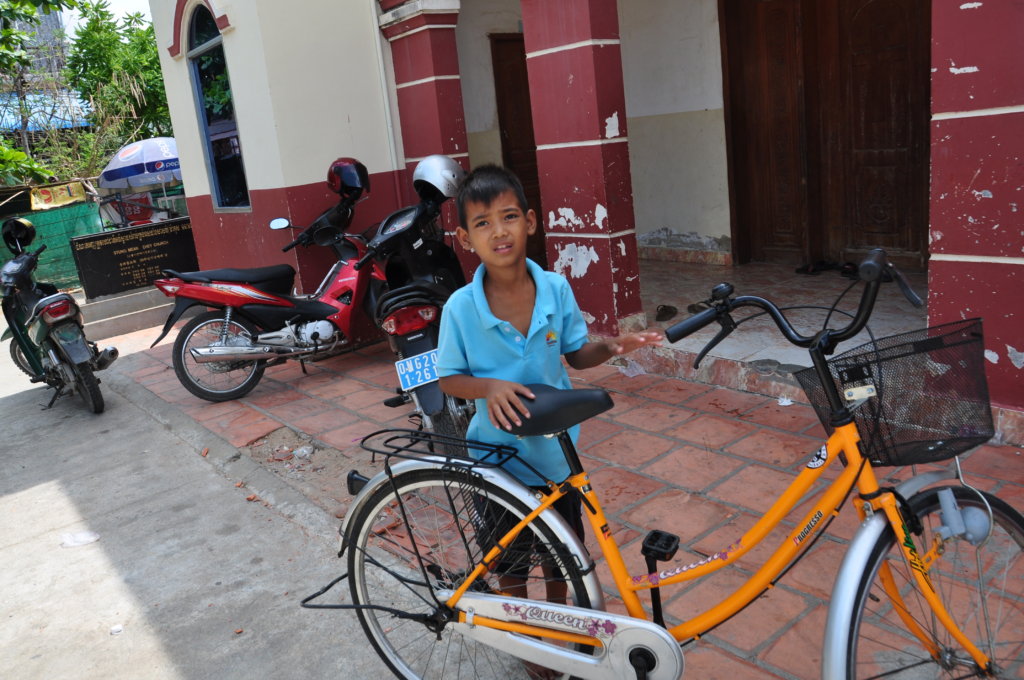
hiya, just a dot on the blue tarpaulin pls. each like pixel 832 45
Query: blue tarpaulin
pixel 46 111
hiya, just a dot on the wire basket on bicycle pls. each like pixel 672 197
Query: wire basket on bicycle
pixel 927 395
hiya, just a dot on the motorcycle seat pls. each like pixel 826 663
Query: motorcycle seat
pixel 277 279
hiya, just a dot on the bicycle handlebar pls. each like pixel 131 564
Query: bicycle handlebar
pixel 872 271
pixel 689 326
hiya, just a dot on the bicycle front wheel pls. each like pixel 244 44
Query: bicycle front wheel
pixel 426 532
pixel 982 588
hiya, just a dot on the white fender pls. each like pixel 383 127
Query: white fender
pixel 844 592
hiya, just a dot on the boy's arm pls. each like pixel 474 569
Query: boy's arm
pixel 503 403
pixel 596 353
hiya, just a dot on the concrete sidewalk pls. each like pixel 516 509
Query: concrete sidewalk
pixel 188 579
pixel 676 455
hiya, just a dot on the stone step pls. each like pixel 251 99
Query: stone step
pixel 127 312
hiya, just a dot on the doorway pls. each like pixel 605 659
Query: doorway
pixel 828 122
pixel 515 122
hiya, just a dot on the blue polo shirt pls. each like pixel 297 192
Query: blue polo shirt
pixel 475 342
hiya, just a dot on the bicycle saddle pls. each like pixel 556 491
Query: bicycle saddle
pixel 554 410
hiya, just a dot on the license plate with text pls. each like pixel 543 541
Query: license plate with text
pixel 417 371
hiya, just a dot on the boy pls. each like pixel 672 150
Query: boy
pixel 510 326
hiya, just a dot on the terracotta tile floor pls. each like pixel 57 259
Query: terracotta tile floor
pixel 678 455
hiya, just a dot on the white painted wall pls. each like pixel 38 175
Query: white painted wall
pixel 478 19
pixel 671 62
pixel 309 84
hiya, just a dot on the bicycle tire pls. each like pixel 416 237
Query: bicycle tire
pixel 221 380
pixel 383 571
pixel 880 644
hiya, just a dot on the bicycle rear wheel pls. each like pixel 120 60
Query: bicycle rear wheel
pixel 449 516
pixel 981 587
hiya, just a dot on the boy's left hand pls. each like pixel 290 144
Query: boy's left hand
pixel 633 341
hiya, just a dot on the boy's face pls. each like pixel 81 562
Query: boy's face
pixel 497 231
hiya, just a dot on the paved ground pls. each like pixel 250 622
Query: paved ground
pixel 673 454
pixel 187 580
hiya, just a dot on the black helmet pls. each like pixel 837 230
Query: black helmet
pixel 348 178
pixel 18 234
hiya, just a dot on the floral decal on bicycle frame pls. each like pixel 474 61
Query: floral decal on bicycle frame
pixel 656 578
pixel 591 626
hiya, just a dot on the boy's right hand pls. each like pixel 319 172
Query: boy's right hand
pixel 504 407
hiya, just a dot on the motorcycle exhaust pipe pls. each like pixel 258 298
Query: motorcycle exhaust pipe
pixel 106 357
pixel 209 355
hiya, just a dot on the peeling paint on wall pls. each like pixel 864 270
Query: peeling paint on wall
pixel 611 126
pixel 668 238
pixel 992 357
pixel 574 260
pixel 985 193
pixel 970 5
pixel 1016 358
pixel 965 69
pixel 568 219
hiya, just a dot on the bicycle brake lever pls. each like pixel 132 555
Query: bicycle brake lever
pixel 904 285
pixel 728 326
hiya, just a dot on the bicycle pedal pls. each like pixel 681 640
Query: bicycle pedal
pixel 660 545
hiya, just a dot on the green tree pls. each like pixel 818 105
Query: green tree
pixel 103 53
pixel 115 66
pixel 14 42
pixel 16 167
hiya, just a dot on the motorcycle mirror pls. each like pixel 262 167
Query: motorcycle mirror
pixel 280 223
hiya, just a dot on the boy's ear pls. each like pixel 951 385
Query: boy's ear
pixel 463 237
pixel 531 221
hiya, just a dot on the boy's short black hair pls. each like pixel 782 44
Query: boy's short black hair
pixel 484 184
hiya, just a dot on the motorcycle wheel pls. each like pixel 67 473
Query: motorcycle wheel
pixel 453 421
pixel 18 357
pixel 88 388
pixel 221 380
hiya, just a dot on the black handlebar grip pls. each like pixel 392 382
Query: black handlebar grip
pixel 363 260
pixel 39 251
pixel 692 325
pixel 289 246
pixel 873 265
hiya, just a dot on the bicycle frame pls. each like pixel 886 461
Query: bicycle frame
pixel 858 474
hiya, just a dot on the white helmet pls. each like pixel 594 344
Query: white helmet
pixel 437 178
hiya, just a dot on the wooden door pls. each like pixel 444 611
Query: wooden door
pixel 515 121
pixel 828 115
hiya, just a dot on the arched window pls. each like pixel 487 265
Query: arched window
pixel 212 89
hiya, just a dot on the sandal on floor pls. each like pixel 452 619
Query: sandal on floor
pixel 665 312
pixel 808 269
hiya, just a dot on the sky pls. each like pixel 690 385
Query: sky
pixel 117 7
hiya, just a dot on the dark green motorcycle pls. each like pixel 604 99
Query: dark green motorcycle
pixel 45 326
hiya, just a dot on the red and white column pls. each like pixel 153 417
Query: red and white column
pixel 579 121
pixel 422 38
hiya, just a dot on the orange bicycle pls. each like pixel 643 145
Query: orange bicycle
pixel 930 586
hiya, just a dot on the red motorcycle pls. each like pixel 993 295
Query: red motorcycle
pixel 394 277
